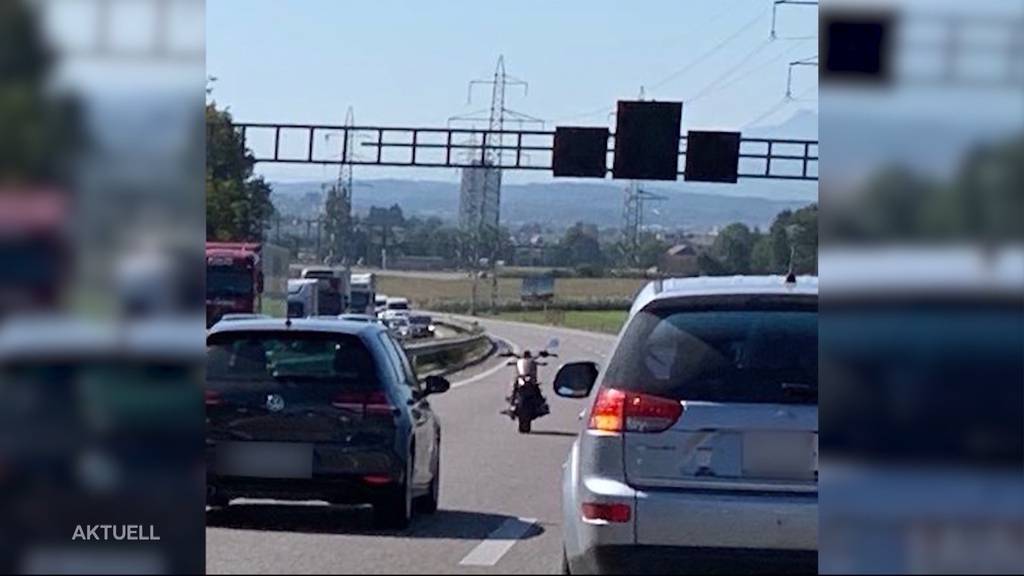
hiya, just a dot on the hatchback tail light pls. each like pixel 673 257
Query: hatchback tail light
pixel 618 411
pixel 212 398
pixel 369 403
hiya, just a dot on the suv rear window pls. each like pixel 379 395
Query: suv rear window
pixel 924 381
pixel 767 355
pixel 294 356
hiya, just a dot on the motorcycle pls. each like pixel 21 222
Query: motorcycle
pixel 527 402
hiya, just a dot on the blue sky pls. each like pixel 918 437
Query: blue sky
pixel 408 62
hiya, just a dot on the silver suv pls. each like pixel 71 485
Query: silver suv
pixel 700 447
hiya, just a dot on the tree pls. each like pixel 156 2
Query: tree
pixel 708 265
pixel 651 250
pixel 803 235
pixel 986 199
pixel 793 236
pixel 38 130
pixel 580 246
pixel 762 259
pixel 733 247
pixel 238 205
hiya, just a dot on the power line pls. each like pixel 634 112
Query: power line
pixel 779 105
pixel 755 70
pixel 707 54
pixel 604 110
pixel 708 88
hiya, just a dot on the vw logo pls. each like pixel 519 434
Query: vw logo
pixel 275 403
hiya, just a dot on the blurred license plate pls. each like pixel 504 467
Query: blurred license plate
pixel 790 455
pixel 265 459
pixel 966 547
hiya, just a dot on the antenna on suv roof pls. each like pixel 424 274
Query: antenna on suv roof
pixel 790 275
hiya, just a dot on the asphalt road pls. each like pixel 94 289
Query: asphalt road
pixel 500 491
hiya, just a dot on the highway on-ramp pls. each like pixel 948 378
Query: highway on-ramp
pixel 500 492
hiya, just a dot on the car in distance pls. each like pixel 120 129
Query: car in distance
pixel 310 409
pixel 397 305
pixel 700 447
pixel 399 326
pixel 421 326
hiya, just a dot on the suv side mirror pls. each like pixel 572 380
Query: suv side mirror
pixel 575 379
pixel 436 385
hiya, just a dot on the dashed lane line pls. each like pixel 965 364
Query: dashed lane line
pixel 498 542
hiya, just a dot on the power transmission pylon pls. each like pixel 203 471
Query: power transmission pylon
pixel 633 214
pixel 775 8
pixel 633 219
pixel 338 201
pixel 490 158
pixel 811 61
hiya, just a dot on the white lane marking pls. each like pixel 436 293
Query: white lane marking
pixel 498 542
pixel 489 372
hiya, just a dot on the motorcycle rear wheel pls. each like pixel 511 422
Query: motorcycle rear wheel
pixel 525 425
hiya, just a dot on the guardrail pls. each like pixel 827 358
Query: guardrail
pixel 460 326
pixel 448 354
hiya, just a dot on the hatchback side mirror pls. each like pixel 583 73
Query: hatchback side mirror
pixel 575 379
pixel 436 385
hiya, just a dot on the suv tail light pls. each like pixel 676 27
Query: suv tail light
pixel 616 513
pixel 369 403
pixel 618 411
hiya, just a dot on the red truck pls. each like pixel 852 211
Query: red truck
pixel 245 278
pixel 35 252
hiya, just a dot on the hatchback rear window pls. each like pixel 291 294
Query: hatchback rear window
pixel 731 355
pixel 295 356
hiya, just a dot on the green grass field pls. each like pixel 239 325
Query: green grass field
pixel 425 291
pixel 609 321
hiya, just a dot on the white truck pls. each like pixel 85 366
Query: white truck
pixel 303 297
pixel 363 288
pixel 380 303
pixel 397 306
pixel 333 287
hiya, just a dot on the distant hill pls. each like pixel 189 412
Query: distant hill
pixel 559 204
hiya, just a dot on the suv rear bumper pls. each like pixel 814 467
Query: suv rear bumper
pixel 686 560
pixel 729 520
